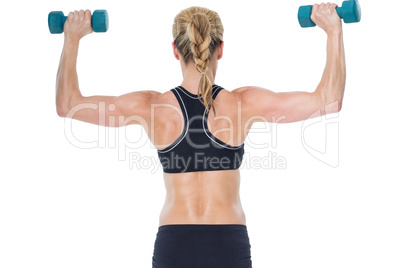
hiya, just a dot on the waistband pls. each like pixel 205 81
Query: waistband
pixel 198 227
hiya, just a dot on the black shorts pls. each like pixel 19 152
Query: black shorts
pixel 202 246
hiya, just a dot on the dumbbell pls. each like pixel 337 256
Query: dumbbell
pixel 100 21
pixel 349 12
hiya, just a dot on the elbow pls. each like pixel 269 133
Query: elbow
pixel 339 105
pixel 330 98
pixel 331 104
pixel 63 105
pixel 334 106
pixel 62 110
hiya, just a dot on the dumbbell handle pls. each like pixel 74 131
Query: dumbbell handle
pixel 339 11
pixel 63 20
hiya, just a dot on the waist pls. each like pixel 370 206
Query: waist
pixel 220 216
pixel 202 227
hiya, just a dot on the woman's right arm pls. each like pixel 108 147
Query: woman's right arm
pixel 131 108
pixel 113 111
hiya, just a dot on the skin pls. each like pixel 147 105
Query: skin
pixel 208 197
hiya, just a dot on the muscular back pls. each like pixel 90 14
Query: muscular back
pixel 209 197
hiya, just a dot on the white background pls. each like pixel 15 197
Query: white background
pixel 65 206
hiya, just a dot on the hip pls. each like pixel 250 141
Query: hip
pixel 202 245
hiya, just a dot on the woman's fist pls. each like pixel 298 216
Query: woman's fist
pixel 326 17
pixel 78 24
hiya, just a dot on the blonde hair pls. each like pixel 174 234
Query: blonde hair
pixel 197 32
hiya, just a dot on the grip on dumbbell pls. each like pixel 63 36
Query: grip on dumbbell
pixel 349 12
pixel 99 21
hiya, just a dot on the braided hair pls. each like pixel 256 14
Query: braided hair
pixel 197 32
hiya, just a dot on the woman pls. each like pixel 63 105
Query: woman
pixel 199 130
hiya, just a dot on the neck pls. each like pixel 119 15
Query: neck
pixel 191 78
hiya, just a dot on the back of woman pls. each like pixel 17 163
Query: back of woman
pixel 198 128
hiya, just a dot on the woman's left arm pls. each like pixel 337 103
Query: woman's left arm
pixel 285 107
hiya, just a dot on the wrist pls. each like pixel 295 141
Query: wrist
pixel 334 32
pixel 71 40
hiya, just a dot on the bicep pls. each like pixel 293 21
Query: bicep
pixel 283 107
pixel 113 111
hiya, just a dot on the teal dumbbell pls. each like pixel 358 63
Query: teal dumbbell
pixel 100 21
pixel 349 12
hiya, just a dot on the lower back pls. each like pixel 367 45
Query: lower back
pixel 207 197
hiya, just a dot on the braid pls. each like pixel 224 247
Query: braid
pixel 198 31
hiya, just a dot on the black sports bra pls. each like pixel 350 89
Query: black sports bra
pixel 196 149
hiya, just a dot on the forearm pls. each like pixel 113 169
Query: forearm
pixel 67 79
pixel 332 85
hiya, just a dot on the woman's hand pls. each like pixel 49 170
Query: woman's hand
pixel 326 17
pixel 78 24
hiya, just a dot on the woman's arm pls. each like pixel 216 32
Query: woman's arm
pixel 132 108
pixel 265 105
